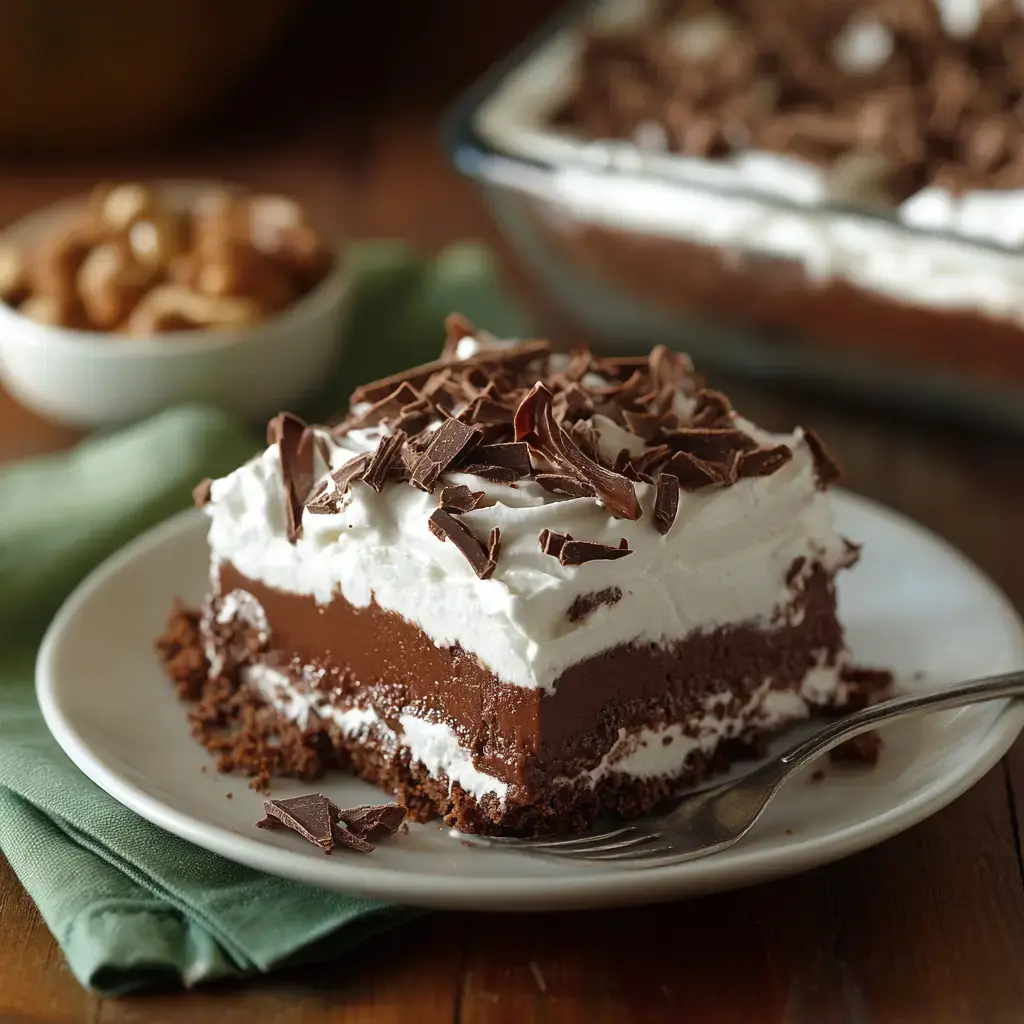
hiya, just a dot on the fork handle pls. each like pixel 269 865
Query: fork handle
pixel 1010 684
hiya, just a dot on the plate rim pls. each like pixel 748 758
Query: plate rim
pixel 592 888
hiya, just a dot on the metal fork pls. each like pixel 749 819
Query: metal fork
pixel 715 819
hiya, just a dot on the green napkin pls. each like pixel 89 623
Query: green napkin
pixel 130 905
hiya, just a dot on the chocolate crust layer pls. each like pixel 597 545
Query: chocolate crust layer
pixel 522 736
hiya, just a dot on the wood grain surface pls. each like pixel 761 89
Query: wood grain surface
pixel 928 926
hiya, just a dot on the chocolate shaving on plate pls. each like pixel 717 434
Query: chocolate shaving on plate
pixel 666 502
pixel 295 443
pixel 450 440
pixel 458 499
pixel 447 527
pixel 764 461
pixel 586 603
pixel 711 409
pixel 535 424
pixel 825 466
pixel 577 552
pixel 201 492
pixel 371 821
pixel 312 816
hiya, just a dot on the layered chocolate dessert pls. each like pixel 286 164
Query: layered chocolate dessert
pixel 518 588
pixel 848 175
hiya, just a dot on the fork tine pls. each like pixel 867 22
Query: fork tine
pixel 632 853
pixel 620 844
pixel 564 844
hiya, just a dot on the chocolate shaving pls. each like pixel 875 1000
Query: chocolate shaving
pixel 826 468
pixel 666 502
pixel 694 474
pixel 445 526
pixel 376 472
pixel 535 424
pixel 644 424
pixel 417 376
pixel 764 461
pixel 295 443
pixel 329 500
pixel 586 603
pixel 449 441
pixel 496 474
pixel 201 492
pixel 483 410
pixel 371 821
pixel 459 499
pixel 711 409
pixel 494 545
pixel 577 552
pixel 558 483
pixel 710 444
pixel 551 543
pixel 390 405
pixel 312 816
pixel 514 455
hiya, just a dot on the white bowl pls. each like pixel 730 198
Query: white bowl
pixel 93 379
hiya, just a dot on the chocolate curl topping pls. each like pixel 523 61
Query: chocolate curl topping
pixel 458 499
pixel 535 424
pixel 329 500
pixel 387 453
pixel 295 442
pixel 450 440
pixel 513 355
pixel 666 502
pixel 447 527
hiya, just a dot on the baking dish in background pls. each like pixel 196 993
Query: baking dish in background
pixel 750 265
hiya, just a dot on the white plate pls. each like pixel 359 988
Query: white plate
pixel 912 604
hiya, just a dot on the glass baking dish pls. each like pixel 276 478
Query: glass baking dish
pixel 777 283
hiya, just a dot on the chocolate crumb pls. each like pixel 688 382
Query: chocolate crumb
pixel 201 492
pixel 586 603
pixel 817 775
pixel 447 527
pixel 796 567
pixel 666 502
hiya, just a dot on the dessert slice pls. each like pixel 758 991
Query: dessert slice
pixel 518 588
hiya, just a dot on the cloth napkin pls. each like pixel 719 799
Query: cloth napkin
pixel 132 906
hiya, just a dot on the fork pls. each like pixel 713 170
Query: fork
pixel 714 819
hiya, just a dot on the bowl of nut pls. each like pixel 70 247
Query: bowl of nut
pixel 116 305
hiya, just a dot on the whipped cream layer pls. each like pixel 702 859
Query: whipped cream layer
pixel 726 559
pixel 645 753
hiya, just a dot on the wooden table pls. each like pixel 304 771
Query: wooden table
pixel 926 927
